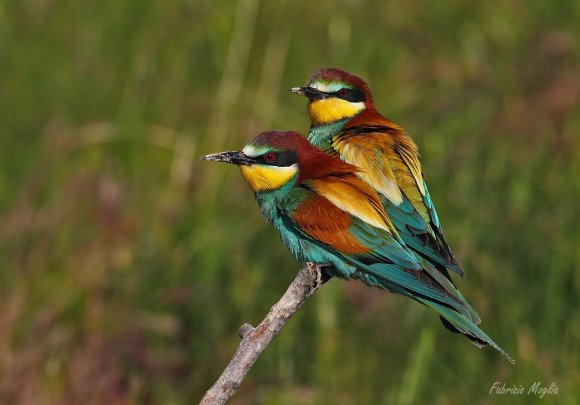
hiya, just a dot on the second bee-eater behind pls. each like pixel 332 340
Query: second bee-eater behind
pixel 345 122
pixel 326 214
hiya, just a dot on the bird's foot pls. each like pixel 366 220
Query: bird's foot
pixel 322 276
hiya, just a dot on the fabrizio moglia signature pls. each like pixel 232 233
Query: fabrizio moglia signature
pixel 499 388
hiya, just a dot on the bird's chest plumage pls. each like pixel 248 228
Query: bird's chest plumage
pixel 278 211
pixel 321 135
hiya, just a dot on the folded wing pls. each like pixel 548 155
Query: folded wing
pixel 379 255
pixel 389 162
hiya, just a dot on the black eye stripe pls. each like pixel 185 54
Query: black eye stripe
pixel 352 95
pixel 281 159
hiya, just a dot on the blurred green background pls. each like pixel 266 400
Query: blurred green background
pixel 127 264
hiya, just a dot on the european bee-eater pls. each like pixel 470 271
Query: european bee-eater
pixel 326 214
pixel 344 121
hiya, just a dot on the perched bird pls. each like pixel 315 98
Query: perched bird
pixel 326 214
pixel 345 122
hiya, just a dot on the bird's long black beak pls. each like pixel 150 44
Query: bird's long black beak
pixel 310 92
pixel 236 158
pixel 299 90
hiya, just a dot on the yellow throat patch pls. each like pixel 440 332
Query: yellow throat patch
pixel 264 177
pixel 329 110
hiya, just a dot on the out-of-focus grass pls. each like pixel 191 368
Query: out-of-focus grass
pixel 127 265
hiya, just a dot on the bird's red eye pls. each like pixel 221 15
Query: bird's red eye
pixel 342 92
pixel 269 157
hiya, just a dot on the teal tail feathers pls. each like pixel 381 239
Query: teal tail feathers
pixel 460 324
pixel 461 305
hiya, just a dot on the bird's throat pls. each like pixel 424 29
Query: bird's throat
pixel 329 110
pixel 267 178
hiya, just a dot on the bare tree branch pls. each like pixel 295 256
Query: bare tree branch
pixel 255 340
